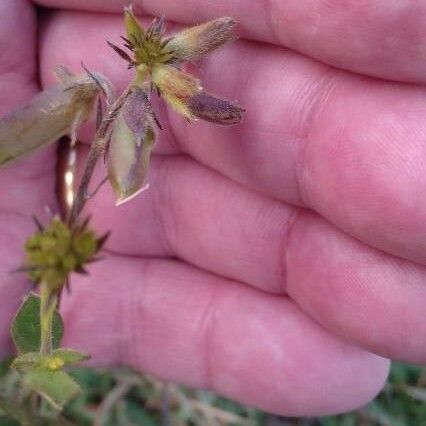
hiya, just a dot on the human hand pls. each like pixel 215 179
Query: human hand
pixel 270 260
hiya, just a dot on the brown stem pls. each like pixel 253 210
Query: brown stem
pixel 96 150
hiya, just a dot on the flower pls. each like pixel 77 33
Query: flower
pixel 161 58
pixel 158 62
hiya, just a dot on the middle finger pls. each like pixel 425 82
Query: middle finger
pixel 199 216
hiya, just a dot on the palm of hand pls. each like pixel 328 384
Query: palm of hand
pixel 266 261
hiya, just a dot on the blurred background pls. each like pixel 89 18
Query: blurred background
pixel 116 397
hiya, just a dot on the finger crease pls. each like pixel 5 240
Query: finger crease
pixel 314 99
pixel 283 261
pixel 207 327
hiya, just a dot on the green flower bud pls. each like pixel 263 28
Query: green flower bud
pixel 55 251
pixel 53 363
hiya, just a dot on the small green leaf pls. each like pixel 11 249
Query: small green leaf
pixel 26 361
pixel 25 326
pixel 56 361
pixel 57 387
pixel 70 356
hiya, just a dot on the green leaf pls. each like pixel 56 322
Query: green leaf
pixel 26 361
pixel 70 356
pixel 25 326
pixel 57 387
pixel 55 361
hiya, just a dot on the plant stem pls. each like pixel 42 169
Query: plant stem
pixel 111 399
pixel 49 298
pixel 48 302
pixel 97 148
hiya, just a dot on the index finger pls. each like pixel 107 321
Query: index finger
pixel 380 38
pixel 27 186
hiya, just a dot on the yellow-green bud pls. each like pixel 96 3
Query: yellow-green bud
pixel 55 251
pixel 53 363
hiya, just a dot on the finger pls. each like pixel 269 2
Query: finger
pixel 358 293
pixel 201 217
pixel 189 212
pixel 377 38
pixel 345 146
pixel 26 186
pixel 189 327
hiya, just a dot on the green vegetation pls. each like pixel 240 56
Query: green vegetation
pixel 117 397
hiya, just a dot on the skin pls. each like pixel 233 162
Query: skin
pixel 279 262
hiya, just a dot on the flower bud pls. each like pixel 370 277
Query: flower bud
pixel 53 363
pixel 176 88
pixel 215 110
pixel 186 96
pixel 55 251
pixel 195 42
pixel 130 147
pixel 53 113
